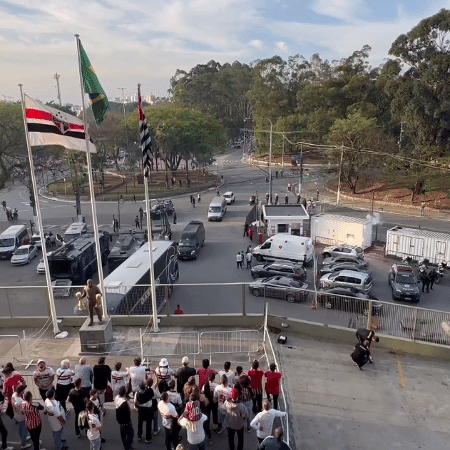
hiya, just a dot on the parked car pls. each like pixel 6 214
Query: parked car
pixel 339 250
pixel 295 271
pixel 403 283
pixel 229 197
pixel 343 266
pixel 344 259
pixel 362 282
pixel 24 254
pixel 348 299
pixel 284 288
pixel 41 267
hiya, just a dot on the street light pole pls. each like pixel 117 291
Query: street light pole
pixel 270 162
pixel 124 113
pixel 338 196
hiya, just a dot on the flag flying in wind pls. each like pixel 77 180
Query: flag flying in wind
pixel 146 140
pixel 98 100
pixel 50 126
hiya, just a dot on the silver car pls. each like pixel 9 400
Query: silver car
pixel 279 287
pixel 362 282
pixel 23 255
pixel 339 250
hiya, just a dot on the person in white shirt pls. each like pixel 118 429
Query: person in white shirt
pixel 221 395
pixel 19 417
pixel 95 427
pixel 263 421
pixel 57 419
pixel 138 373
pixel 64 382
pixel 43 378
pixel 119 378
pixel 230 374
pixel 168 414
pixel 175 397
pixel 195 431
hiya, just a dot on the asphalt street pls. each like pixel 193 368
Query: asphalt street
pixel 217 259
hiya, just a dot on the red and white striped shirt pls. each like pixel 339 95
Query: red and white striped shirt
pixel 32 415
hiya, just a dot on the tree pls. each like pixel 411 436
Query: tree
pixel 417 85
pixel 353 137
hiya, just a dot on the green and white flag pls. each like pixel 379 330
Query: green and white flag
pixel 98 100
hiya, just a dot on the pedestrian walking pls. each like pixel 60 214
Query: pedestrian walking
pixel 422 209
pixel 245 229
pixel 137 222
pixel 169 420
pixel 263 421
pixel 248 258
pixel 273 378
pixel 64 382
pixel 250 233
pixel 91 291
pixel 123 417
pixel 85 373
pixel 57 420
pixel 432 276
pixel 286 200
pixel 256 375
pixel 121 198
pixel 217 191
pixel 193 202
pixel 317 195
pixel 4 205
pixel 143 400
pixel 134 198
pixel 298 199
pixel 43 378
pixel 19 418
pixel 174 217
pixel 78 400
pixel 364 334
pixel 33 421
pixel 199 198
pixel 276 199
pixel 239 260
pixel 192 198
pixel 94 428
pixel 361 354
pixel 274 442
pixel 423 277
pixel 267 197
pixel 236 419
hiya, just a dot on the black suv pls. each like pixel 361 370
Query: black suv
pixel 403 283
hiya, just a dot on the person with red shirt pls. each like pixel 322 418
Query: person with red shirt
pixel 33 420
pixel 204 373
pixel 12 379
pixel 273 379
pixel 178 311
pixel 256 375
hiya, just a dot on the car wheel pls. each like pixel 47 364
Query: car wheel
pixel 256 292
pixel 259 258
pixel 290 298
pixel 326 255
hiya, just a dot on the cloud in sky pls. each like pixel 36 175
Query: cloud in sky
pixel 146 42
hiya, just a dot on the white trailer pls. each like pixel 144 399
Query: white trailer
pixel 334 230
pixel 418 244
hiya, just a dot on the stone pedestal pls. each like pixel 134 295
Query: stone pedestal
pixel 96 338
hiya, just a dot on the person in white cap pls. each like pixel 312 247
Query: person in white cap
pixel 43 378
pixel 163 375
pixel 183 374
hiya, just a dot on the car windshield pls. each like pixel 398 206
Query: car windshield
pixel 21 251
pixel 405 279
pixel 186 242
pixel 215 209
pixel 7 242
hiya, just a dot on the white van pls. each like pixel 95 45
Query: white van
pixel 76 229
pixel 11 239
pixel 286 247
pixel 217 208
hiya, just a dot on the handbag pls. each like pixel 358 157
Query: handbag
pixel 109 397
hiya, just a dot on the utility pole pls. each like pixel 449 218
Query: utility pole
pixel 340 173
pixel 270 162
pixel 300 182
pixel 124 114
pixel 57 87
pixel 401 136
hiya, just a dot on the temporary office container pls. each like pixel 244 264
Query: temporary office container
pixel 418 244
pixel 334 229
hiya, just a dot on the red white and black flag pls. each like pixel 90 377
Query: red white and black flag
pixel 146 139
pixel 49 126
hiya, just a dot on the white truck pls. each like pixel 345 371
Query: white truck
pixel 285 247
pixel 333 229
pixel 217 209
pixel 418 244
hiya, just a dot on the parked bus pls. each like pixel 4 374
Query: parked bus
pixel 127 288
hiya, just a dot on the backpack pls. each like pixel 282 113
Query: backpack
pixel 83 422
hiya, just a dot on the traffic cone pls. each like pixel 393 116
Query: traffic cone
pixel 313 305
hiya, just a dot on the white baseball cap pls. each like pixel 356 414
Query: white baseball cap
pixel 185 360
pixel 163 362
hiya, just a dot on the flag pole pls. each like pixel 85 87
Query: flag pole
pixel 149 230
pixel 92 192
pixel 48 280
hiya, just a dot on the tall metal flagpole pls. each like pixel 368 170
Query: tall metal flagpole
pixel 92 192
pixel 149 234
pixel 48 280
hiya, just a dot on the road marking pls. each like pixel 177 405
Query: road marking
pixel 400 373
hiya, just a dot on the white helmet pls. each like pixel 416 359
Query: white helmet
pixel 163 362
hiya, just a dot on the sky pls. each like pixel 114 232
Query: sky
pixel 131 42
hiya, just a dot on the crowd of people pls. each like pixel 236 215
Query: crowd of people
pixel 201 401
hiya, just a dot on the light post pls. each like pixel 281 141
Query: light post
pixel 270 161
pixel 124 114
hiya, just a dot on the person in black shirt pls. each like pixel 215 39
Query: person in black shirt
pixel 183 374
pixel 123 417
pixel 102 374
pixel 361 354
pixel 76 397
pixel 366 335
pixel 144 401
